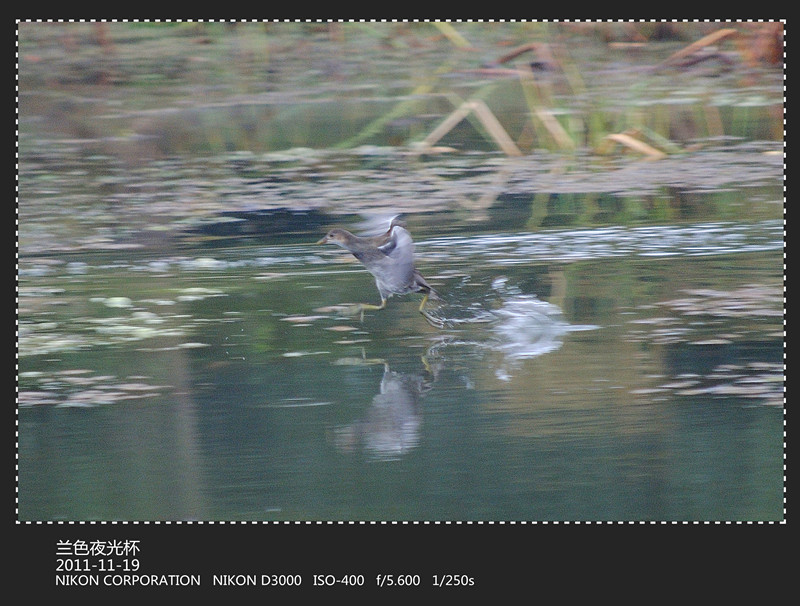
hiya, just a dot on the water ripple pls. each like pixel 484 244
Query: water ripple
pixel 650 241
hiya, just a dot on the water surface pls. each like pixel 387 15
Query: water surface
pixel 637 378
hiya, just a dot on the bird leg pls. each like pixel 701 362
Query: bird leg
pixel 362 306
pixel 435 322
pixel 424 300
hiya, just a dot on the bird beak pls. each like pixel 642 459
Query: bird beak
pixel 323 240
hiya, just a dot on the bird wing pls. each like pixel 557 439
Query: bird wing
pixel 378 224
pixel 399 246
pixel 400 252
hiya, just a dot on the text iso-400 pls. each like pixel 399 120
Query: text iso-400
pixel 347 579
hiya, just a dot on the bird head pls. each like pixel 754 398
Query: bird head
pixel 336 236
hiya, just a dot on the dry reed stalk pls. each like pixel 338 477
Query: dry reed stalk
pixel 495 129
pixel 379 123
pixel 554 127
pixel 636 145
pixel 487 120
pixel 543 56
pixel 544 115
pixel 447 125
pixel 708 40
pixel 451 34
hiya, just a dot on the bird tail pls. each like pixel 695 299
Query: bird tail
pixel 422 285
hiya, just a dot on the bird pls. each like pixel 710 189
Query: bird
pixel 389 257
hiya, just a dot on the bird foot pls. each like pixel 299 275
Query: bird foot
pixel 432 320
pixel 355 309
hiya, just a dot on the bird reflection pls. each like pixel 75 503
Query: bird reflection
pixel 391 425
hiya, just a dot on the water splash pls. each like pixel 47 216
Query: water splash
pixel 516 325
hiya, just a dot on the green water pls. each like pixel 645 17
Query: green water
pixel 623 386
